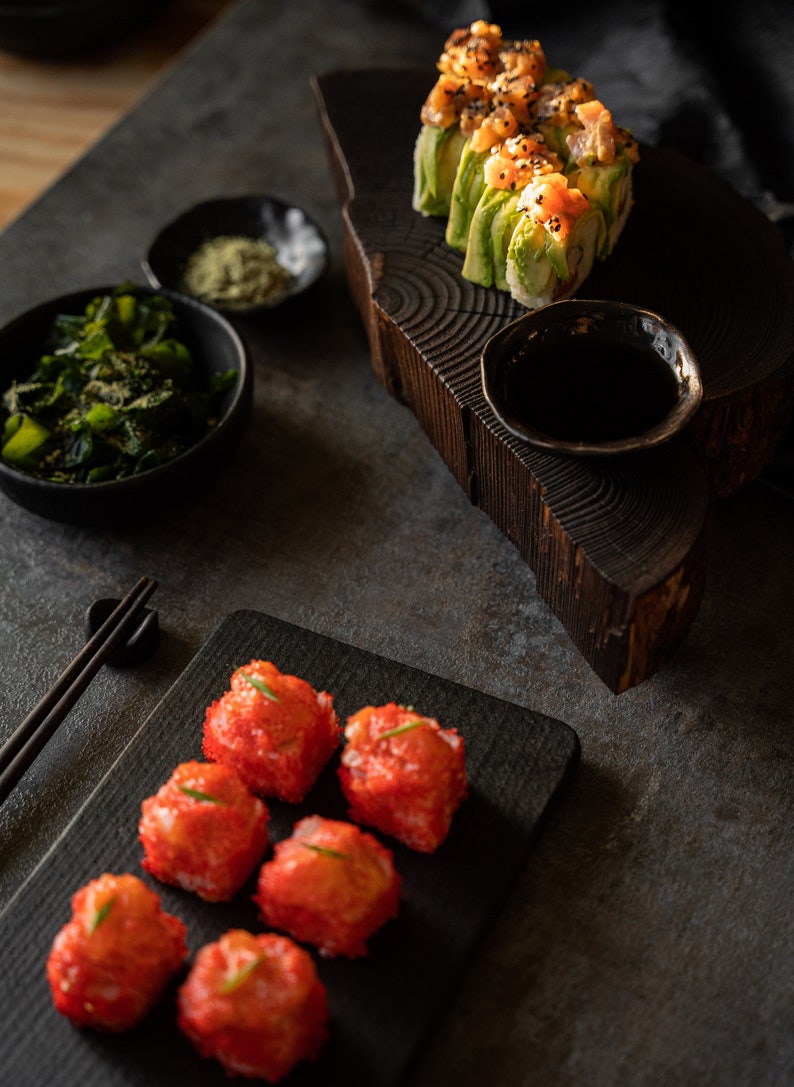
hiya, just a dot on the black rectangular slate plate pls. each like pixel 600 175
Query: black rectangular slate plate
pixel 383 1006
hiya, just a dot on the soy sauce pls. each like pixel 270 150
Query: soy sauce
pixel 589 388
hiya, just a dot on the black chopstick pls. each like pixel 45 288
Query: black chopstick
pixel 29 737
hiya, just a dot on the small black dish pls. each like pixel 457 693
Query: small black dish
pixel 215 346
pixel 591 378
pixel 300 244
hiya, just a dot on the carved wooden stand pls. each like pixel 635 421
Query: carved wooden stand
pixel 618 547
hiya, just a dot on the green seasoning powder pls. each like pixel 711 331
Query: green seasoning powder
pixel 235 272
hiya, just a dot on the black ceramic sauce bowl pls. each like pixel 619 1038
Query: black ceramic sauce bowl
pixel 216 347
pixel 299 243
pixel 591 378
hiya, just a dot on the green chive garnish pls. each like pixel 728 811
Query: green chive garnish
pixel 261 686
pixel 400 729
pixel 326 851
pixel 198 795
pixel 236 980
pixel 100 915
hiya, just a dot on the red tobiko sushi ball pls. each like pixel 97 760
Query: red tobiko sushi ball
pixel 255 1004
pixel 330 884
pixel 403 774
pixel 274 729
pixel 109 965
pixel 203 831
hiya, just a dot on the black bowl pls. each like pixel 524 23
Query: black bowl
pixel 299 242
pixel 591 378
pixel 215 346
pixel 61 28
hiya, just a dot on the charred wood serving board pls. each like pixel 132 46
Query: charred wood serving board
pixel 619 547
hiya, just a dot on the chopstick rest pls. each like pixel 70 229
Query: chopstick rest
pixel 25 743
pixel 138 645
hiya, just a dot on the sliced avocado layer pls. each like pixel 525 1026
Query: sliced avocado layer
pixel 480 254
pixel 466 192
pixel 436 158
pixel 605 188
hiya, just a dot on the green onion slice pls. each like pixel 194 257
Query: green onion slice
pixel 401 728
pixel 326 851
pixel 236 980
pixel 261 686
pixel 196 794
pixel 100 915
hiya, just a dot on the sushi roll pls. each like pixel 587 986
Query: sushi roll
pixel 451 111
pixel 508 170
pixel 454 108
pixel 330 884
pixel 254 1003
pixel 554 245
pixel 403 774
pixel 494 95
pixel 512 97
pixel 471 179
pixel 600 163
pixel 203 831
pixel 111 962
pixel 273 729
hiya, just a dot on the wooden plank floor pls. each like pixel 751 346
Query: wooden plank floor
pixel 52 111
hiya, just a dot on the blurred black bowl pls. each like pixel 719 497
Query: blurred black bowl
pixel 62 28
pixel 299 243
pixel 216 347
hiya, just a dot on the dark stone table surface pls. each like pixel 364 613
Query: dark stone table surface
pixel 650 940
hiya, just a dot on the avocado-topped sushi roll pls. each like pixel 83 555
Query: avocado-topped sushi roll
pixel 600 162
pixel 507 171
pixel 254 1003
pixel 203 830
pixel 493 97
pixel 470 181
pixel 554 245
pixel 275 730
pixel 513 97
pixel 455 107
pixel 111 962
pixel 403 774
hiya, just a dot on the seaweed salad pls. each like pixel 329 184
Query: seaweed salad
pixel 114 394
